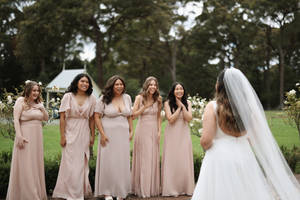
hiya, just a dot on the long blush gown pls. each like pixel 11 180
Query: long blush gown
pixel 113 160
pixel 230 171
pixel 145 160
pixel 177 161
pixel 73 180
pixel 27 176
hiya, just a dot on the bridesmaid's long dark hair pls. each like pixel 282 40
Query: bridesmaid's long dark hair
pixel 74 84
pixel 172 99
pixel 108 92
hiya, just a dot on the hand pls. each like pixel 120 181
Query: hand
pixel 103 140
pixel 158 137
pixel 63 141
pixel 130 135
pixel 92 140
pixel 40 106
pixel 179 103
pixel 21 141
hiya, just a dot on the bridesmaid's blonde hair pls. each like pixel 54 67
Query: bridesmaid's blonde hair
pixel 27 91
pixel 143 93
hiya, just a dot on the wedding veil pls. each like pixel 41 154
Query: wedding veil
pixel 244 99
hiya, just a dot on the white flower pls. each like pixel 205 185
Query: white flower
pixel 292 92
pixel 162 113
pixel 27 81
pixel 9 99
pixel 197 120
pixel 2 105
pixel 200 130
pixel 285 102
pixel 297 84
pixel 52 100
pixel 57 99
pixel 56 112
pixel 40 83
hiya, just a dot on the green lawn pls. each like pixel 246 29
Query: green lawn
pixel 284 133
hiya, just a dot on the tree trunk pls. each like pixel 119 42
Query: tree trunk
pixel 173 61
pixel 267 70
pixel 281 76
pixel 281 68
pixel 99 59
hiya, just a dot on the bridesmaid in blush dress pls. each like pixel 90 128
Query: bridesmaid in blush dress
pixel 114 122
pixel 177 163
pixel 145 160
pixel 76 125
pixel 27 177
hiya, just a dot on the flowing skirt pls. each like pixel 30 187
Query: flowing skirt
pixel 231 171
pixel 27 176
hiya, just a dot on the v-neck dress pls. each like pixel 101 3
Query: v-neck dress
pixel 27 176
pixel 145 156
pixel 73 181
pixel 113 160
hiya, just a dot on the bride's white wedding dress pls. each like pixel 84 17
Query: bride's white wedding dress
pixel 230 171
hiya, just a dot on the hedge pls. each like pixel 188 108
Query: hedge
pixel 52 166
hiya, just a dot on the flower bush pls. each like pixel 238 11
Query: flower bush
pixel 7 103
pixel 53 109
pixel 292 106
pixel 198 106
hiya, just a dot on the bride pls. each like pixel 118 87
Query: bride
pixel 242 159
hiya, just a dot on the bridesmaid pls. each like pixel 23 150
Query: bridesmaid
pixel 114 122
pixel 27 177
pixel 177 162
pixel 76 125
pixel 145 161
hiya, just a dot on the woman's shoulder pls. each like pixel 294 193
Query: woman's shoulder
pixel 92 97
pixel 67 95
pixel 20 99
pixel 166 102
pixel 127 96
pixel 212 105
pixel 159 99
pixel 138 97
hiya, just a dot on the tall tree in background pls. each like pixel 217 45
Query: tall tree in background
pixel 10 15
pixel 278 14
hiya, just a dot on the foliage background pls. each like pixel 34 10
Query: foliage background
pixel 133 38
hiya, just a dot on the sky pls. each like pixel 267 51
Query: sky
pixel 191 10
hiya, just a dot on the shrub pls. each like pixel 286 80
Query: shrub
pixel 292 107
pixel 52 166
pixel 292 157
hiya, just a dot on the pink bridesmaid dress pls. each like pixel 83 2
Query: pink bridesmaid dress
pixel 73 180
pixel 113 160
pixel 177 161
pixel 27 176
pixel 145 160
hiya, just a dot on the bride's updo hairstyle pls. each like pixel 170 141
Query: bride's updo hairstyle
pixel 226 118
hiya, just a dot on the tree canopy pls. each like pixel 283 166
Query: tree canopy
pixel 136 39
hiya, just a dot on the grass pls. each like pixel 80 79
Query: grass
pixel 284 133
